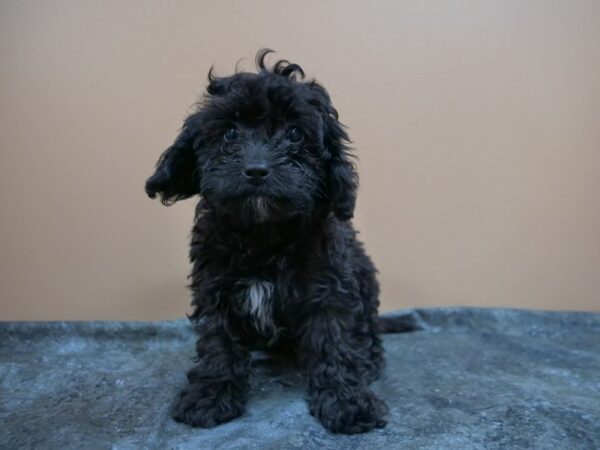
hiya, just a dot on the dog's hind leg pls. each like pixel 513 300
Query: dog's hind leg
pixel 368 329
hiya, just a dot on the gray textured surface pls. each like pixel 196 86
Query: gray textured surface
pixel 473 378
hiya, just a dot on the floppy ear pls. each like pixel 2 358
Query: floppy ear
pixel 342 175
pixel 343 183
pixel 176 176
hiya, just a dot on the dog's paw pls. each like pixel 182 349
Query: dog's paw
pixel 348 412
pixel 208 405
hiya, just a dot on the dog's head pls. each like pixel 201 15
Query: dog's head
pixel 261 146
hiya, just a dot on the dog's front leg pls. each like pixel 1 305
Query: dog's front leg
pixel 338 393
pixel 218 384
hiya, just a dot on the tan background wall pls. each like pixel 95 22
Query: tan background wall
pixel 477 124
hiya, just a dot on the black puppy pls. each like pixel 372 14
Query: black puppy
pixel 276 261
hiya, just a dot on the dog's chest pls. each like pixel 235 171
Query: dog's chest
pixel 255 298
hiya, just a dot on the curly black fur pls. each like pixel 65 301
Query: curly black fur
pixel 276 261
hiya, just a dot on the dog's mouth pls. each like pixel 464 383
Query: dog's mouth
pixel 258 208
pixel 262 207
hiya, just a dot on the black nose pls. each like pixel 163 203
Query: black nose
pixel 256 172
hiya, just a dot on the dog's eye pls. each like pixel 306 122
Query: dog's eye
pixel 232 134
pixel 294 135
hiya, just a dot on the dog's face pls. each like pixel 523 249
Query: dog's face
pixel 261 147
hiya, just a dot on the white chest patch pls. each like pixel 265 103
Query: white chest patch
pixel 257 301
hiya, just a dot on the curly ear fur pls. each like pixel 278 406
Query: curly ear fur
pixel 176 176
pixel 343 181
pixel 343 178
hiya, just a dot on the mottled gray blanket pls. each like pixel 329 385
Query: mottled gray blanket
pixel 471 378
